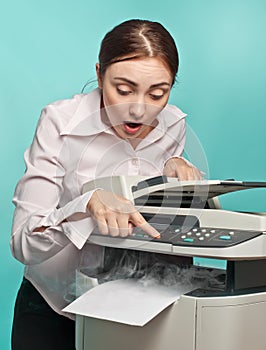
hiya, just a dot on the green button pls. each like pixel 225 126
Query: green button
pixel 190 240
pixel 139 235
pixel 225 238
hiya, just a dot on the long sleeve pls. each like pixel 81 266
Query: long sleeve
pixel 37 198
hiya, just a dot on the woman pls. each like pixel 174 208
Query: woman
pixel 123 127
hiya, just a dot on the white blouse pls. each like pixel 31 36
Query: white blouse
pixel 72 146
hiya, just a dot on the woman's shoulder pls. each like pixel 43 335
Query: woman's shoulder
pixel 61 112
pixel 172 116
pixel 70 105
pixel 175 111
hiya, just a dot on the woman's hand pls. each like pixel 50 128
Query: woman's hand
pixel 178 167
pixel 116 215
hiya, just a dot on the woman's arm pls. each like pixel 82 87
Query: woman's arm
pixel 40 228
pixel 176 165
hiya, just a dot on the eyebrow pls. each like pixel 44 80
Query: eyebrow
pixel 135 84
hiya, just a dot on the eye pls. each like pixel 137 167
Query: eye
pixel 156 97
pixel 123 90
pixel 157 94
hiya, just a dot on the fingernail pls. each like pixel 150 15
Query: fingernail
pixel 158 236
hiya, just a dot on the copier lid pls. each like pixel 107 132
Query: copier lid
pixel 167 188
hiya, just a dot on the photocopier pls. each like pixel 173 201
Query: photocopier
pixel 228 316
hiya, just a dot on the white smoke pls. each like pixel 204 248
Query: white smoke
pixel 149 269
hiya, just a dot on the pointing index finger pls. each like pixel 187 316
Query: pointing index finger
pixel 138 220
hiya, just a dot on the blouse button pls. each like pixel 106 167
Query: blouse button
pixel 134 161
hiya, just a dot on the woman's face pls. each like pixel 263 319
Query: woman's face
pixel 134 92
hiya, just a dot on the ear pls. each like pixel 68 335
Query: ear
pixel 99 77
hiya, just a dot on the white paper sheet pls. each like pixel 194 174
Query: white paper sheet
pixel 125 301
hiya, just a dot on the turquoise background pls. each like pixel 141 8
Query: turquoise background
pixel 49 50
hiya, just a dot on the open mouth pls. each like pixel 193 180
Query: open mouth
pixel 132 128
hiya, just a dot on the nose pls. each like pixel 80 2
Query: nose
pixel 137 110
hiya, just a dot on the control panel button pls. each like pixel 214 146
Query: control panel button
pixel 225 237
pixel 190 240
pixel 139 235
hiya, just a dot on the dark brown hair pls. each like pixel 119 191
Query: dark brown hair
pixel 138 38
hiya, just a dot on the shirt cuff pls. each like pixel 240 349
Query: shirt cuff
pixel 78 231
pixel 180 157
pixel 74 219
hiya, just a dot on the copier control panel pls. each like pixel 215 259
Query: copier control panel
pixel 183 230
pixel 198 237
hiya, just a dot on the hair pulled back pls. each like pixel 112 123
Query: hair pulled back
pixel 138 38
